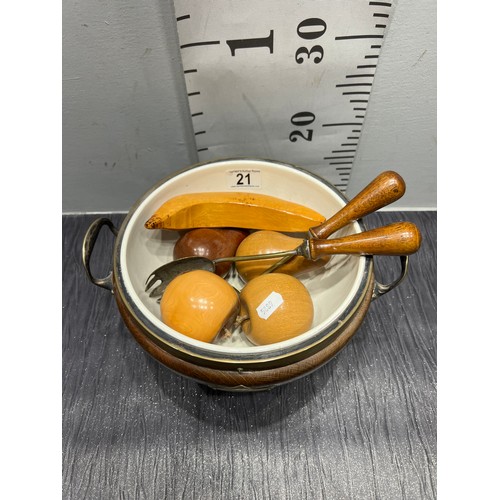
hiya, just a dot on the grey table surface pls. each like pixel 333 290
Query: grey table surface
pixel 363 426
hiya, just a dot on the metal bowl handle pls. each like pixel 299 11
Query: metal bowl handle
pixel 380 289
pixel 88 246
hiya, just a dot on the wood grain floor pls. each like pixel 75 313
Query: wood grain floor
pixel 361 427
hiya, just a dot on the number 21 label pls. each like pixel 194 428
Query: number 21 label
pixel 243 178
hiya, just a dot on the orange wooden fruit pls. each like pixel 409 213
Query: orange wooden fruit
pixel 199 304
pixel 278 306
pixel 261 242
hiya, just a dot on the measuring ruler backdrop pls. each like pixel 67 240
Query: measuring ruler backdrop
pixel 281 80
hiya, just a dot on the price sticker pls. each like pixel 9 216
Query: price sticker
pixel 243 178
pixel 269 305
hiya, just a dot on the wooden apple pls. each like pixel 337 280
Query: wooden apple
pixel 261 242
pixel 199 304
pixel 275 307
pixel 212 243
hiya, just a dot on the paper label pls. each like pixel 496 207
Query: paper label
pixel 243 178
pixel 269 305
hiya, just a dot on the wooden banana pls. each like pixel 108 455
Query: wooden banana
pixel 228 209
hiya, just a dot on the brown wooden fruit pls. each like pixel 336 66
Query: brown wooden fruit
pixel 278 306
pixel 261 242
pixel 212 243
pixel 199 304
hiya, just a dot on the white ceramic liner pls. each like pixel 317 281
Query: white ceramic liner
pixel 336 289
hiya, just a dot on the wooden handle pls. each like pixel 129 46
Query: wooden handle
pixel 383 190
pixel 399 238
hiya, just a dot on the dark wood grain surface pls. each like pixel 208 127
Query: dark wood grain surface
pixel 361 427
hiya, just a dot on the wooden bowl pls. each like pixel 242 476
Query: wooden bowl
pixel 341 292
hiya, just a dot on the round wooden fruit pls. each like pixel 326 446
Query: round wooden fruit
pixel 199 304
pixel 262 242
pixel 210 243
pixel 277 306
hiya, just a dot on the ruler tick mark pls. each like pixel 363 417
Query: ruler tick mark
pixel 339 125
pixel 197 114
pixel 371 57
pixel 182 18
pixel 341 163
pixel 344 151
pixel 200 132
pixel 190 71
pixel 362 66
pixel 358 100
pixel 337 157
pixel 380 25
pixel 359 109
pixel 380 14
pixel 193 93
pixel 354 130
pixel 349 144
pixel 363 75
pixel 357 37
pixel 199 44
pixel 202 149
pixel 375 46
pixel 381 4
pixel 353 84
pixel 353 137
pixel 355 93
